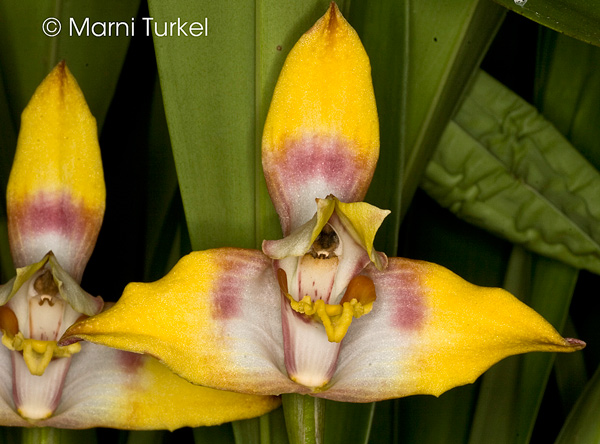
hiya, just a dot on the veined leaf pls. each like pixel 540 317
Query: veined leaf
pixel 502 166
pixel 577 18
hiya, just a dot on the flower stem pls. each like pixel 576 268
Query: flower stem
pixel 304 418
pixel 44 435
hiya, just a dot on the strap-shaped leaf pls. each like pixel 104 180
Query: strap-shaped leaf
pixel 503 167
pixel 577 18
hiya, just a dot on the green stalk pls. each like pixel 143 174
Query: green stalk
pixel 304 418
pixel 44 435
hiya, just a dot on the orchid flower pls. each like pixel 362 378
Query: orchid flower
pixel 320 311
pixel 55 203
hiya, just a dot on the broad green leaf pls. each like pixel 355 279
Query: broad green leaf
pixel 582 425
pixel 501 166
pixel 28 54
pixel 348 422
pixel 511 392
pixel 577 18
pixel 446 43
pixel 208 92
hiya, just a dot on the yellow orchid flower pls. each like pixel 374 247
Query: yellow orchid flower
pixel 55 203
pixel 320 311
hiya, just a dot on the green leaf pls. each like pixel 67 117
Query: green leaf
pixel 582 425
pixel 501 166
pixel 577 18
pixel 446 42
pixel 208 92
pixel 165 213
pixel 28 54
pixel 348 422
pixel 569 91
pixel 222 434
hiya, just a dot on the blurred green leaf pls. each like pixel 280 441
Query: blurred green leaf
pixel 571 373
pixel 8 143
pixel 568 90
pixel 501 166
pixel 577 18
pixel 582 425
pixel 165 212
pixel 222 434
pixel 28 55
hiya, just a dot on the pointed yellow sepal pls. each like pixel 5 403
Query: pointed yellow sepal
pixel 465 329
pixel 56 193
pixel 143 406
pixel 325 88
pixel 321 135
pixel 58 149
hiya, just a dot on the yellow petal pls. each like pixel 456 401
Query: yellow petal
pixel 430 331
pixel 214 319
pixel 321 135
pixel 112 388
pixel 56 193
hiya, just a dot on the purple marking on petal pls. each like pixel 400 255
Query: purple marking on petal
pixel 53 222
pixel 400 288
pixel 313 167
pixel 234 274
pixel 131 362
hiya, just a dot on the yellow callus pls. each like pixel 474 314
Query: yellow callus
pixel 36 353
pixel 336 318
